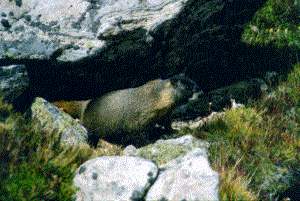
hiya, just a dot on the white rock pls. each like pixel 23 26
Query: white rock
pixel 41 28
pixel 187 178
pixel 114 178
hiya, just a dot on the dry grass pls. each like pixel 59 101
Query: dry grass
pixel 256 148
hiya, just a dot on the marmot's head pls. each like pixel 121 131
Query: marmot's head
pixel 183 88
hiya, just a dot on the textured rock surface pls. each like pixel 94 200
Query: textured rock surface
pixel 114 178
pixel 14 81
pixel 186 178
pixel 50 119
pixel 70 30
pixel 164 151
pixel 107 45
pixel 184 173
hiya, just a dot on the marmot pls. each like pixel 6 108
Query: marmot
pixel 131 111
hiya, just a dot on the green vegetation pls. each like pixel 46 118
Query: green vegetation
pixel 164 152
pixel 33 165
pixel 277 23
pixel 256 148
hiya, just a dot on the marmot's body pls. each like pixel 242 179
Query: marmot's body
pixel 133 110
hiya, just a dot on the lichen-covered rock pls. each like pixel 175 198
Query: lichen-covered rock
pixel 164 151
pixel 51 120
pixel 70 30
pixel 187 178
pixel 117 178
pixel 14 81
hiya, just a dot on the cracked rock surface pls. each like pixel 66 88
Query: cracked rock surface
pixel 186 178
pixel 114 178
pixel 98 46
pixel 185 172
pixel 180 171
pixel 71 30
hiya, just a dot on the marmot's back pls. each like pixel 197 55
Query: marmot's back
pixel 133 110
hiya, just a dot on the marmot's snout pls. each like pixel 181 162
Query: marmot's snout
pixel 185 87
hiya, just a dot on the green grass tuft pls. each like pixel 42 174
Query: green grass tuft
pixel 256 148
pixel 34 166
pixel 277 23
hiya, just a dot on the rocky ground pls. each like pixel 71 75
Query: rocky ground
pixel 236 138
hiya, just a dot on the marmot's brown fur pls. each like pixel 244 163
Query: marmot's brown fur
pixel 133 110
pixel 130 111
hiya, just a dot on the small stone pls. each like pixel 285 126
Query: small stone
pixel 3 14
pixel 136 196
pixel 130 150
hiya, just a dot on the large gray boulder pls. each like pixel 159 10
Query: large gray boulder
pixel 187 178
pixel 49 119
pixel 117 178
pixel 179 170
pixel 185 173
pixel 100 46
pixel 14 82
pixel 71 30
